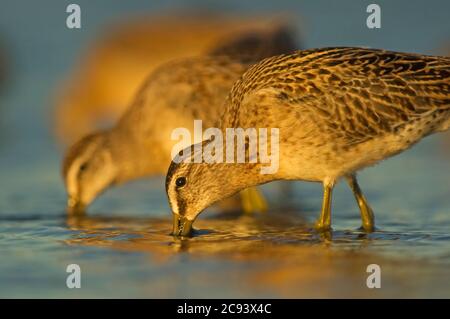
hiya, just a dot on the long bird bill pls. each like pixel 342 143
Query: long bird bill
pixel 181 226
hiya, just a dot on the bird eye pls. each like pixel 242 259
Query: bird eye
pixel 180 182
pixel 83 166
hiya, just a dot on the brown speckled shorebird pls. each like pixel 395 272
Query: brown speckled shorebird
pixel 174 95
pixel 338 110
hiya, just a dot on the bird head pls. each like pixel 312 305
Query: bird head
pixel 192 187
pixel 88 169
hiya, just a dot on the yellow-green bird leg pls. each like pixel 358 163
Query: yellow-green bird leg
pixel 253 201
pixel 367 216
pixel 324 222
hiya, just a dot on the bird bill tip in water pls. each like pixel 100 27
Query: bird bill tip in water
pixel 74 206
pixel 182 227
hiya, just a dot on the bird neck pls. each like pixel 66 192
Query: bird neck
pixel 245 174
pixel 135 159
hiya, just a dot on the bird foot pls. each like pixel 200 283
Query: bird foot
pixel 322 227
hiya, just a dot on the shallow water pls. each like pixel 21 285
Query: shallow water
pixel 124 248
pixel 123 244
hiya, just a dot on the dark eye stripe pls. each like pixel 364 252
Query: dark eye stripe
pixel 181 206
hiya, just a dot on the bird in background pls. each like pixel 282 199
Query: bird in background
pixel 173 96
pixel 338 110
pixel 100 87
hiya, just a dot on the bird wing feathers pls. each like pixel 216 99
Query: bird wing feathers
pixel 353 93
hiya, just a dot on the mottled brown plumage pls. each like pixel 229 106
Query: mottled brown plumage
pixel 338 110
pixel 357 93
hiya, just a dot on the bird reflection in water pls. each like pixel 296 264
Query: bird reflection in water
pixel 272 254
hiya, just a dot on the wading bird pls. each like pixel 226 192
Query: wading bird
pixel 338 111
